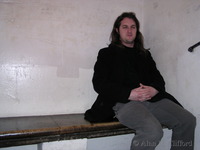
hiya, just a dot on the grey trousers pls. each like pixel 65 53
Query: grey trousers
pixel 146 119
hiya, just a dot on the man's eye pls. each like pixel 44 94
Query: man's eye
pixel 133 27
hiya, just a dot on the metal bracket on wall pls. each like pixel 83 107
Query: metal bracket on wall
pixel 190 49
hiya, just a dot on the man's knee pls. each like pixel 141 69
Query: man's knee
pixel 189 121
pixel 193 120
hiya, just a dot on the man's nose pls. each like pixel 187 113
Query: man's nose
pixel 129 30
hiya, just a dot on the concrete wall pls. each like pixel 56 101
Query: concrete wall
pixel 170 28
pixel 47 52
pixel 48 49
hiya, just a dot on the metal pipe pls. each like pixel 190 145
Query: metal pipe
pixel 190 49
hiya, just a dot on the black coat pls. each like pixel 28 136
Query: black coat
pixel 116 72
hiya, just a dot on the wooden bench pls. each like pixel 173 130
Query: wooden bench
pixel 16 131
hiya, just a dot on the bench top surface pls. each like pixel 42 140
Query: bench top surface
pixel 15 131
pixel 70 122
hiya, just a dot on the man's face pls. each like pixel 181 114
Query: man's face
pixel 127 32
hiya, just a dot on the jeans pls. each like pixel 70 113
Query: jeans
pixel 146 119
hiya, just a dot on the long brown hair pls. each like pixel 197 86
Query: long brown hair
pixel 115 37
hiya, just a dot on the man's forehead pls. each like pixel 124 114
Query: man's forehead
pixel 128 21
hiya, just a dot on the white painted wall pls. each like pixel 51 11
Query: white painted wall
pixel 170 28
pixel 47 52
pixel 48 49
pixel 80 144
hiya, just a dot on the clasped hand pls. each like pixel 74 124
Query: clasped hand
pixel 142 93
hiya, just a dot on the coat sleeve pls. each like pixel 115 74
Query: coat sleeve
pixel 158 83
pixel 103 82
pixel 157 80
